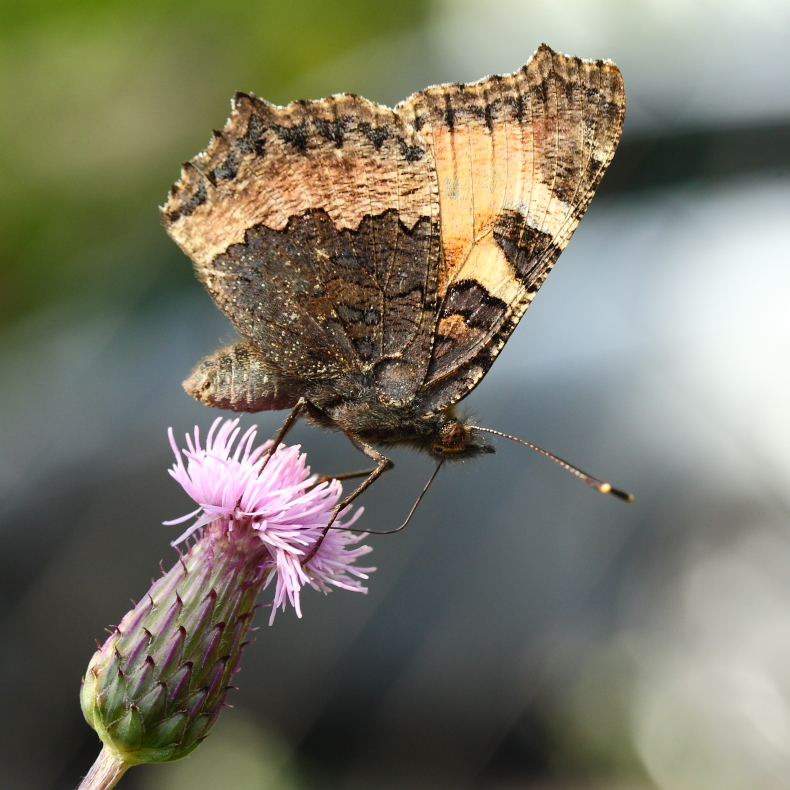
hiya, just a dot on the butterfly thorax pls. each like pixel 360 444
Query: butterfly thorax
pixel 443 435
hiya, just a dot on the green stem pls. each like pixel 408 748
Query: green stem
pixel 105 772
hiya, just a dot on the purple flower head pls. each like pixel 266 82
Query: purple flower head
pixel 283 505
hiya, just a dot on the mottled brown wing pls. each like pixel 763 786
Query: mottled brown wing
pixel 315 229
pixel 518 158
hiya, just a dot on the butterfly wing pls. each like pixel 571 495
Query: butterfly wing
pixel 518 159
pixel 315 229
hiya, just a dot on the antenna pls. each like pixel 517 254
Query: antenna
pixel 604 488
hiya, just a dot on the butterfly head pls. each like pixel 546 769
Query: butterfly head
pixel 456 439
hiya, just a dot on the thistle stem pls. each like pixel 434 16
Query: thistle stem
pixel 105 772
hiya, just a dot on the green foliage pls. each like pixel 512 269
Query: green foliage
pixel 100 100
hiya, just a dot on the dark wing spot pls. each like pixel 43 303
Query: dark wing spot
pixel 524 247
pixel 377 135
pixel 188 206
pixel 489 111
pixel 485 114
pixel 296 136
pixel 228 168
pixel 593 173
pixel 251 141
pixel 517 105
pixel 471 300
pixel 539 93
pixel 449 113
pixel 332 131
pixel 411 153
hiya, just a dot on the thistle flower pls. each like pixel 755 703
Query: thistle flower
pixel 283 506
pixel 157 685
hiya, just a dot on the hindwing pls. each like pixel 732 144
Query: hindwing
pixel 315 228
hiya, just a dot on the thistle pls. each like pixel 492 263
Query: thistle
pixel 154 689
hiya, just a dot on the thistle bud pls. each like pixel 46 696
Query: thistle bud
pixel 158 683
pixel 156 686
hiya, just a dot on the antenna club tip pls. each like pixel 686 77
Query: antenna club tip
pixel 624 495
pixel 607 488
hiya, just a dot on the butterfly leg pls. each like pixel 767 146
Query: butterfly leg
pixel 341 476
pixel 382 464
pixel 286 426
pixel 348 475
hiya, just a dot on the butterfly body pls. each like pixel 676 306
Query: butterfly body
pixel 375 261
pixel 233 379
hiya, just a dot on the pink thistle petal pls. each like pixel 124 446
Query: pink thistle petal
pixel 282 505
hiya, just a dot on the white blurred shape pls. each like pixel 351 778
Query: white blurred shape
pixel 723 313
pixel 713 710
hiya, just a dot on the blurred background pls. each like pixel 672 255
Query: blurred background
pixel 523 632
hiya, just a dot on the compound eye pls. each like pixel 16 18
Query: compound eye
pixel 453 435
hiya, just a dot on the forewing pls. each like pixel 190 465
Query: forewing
pixel 315 229
pixel 518 159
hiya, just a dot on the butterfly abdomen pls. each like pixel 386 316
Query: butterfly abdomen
pixel 238 378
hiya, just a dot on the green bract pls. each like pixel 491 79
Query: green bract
pixel 155 688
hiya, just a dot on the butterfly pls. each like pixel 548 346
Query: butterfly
pixel 375 261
